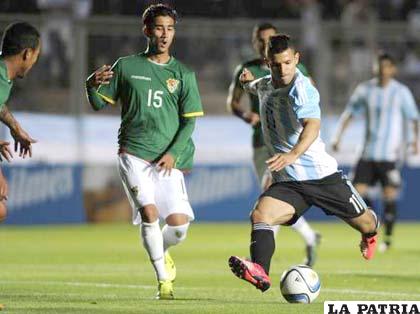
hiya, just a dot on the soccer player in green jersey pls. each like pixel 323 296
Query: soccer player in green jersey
pixel 259 68
pixel 160 101
pixel 20 49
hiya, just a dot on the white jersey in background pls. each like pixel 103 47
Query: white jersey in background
pixel 387 111
pixel 281 113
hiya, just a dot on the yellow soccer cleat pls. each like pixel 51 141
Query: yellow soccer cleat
pixel 165 290
pixel 170 267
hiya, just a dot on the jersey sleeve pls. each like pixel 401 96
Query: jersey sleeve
pixel 190 97
pixel 110 92
pixel 409 106
pixel 306 102
pixel 357 100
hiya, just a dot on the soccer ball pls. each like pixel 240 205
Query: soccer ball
pixel 300 284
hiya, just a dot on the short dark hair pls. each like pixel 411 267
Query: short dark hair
pixel 386 56
pixel 279 43
pixel 156 10
pixel 262 27
pixel 17 37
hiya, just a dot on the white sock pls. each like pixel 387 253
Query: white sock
pixel 153 243
pixel 307 233
pixel 173 235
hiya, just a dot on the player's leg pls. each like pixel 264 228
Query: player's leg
pixel 174 206
pixel 3 211
pixel 390 179
pixel 337 196
pixel 138 181
pixel 363 177
pixel 280 204
pixel 312 239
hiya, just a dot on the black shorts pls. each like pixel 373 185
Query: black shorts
pixel 370 172
pixel 334 194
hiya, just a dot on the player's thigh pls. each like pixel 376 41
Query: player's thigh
pixel 172 196
pixel 260 156
pixel 138 180
pixel 389 175
pixel 282 203
pixel 363 174
pixel 336 195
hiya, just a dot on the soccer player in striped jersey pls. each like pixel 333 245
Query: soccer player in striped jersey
pixel 20 47
pixel 160 101
pixel 259 68
pixel 304 174
pixel 391 117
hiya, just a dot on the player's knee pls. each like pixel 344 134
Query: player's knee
pixel 259 215
pixel 3 211
pixel 149 213
pixel 174 235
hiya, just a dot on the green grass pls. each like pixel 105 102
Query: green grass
pixel 103 269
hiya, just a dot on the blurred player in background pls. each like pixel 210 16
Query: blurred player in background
pixel 258 67
pixel 20 49
pixel 160 101
pixel 304 174
pixel 391 117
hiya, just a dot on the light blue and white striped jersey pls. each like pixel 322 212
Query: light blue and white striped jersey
pixel 387 111
pixel 281 113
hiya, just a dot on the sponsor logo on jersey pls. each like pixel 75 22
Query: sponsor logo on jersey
pixel 141 77
pixel 172 84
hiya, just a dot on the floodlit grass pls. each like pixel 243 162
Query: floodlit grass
pixel 103 269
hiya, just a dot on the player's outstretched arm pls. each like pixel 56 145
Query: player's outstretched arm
pixel 23 141
pixel 310 132
pixel 233 103
pixel 101 76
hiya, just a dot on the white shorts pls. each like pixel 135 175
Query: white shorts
pixel 145 185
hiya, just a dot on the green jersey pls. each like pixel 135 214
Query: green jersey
pixel 155 99
pixel 5 84
pixel 259 69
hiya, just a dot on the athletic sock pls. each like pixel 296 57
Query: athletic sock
pixel 173 235
pixel 305 230
pixel 153 243
pixel 262 245
pixel 390 215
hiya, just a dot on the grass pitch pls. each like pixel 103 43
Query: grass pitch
pixel 103 269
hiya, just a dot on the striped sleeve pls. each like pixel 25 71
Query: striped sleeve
pixel 357 100
pixel 306 101
pixel 409 106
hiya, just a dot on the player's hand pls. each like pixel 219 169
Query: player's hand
pixel 279 161
pixel 23 142
pixel 4 188
pixel 251 118
pixel 246 76
pixel 5 151
pixel 102 76
pixel 166 163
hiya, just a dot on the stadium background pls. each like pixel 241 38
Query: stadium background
pixel 73 178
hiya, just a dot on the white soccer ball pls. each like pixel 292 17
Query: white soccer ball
pixel 300 284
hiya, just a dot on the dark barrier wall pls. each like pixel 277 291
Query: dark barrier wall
pixel 44 194
pixel 219 193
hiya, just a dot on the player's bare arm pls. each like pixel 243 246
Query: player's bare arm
pixel 101 76
pixel 5 151
pixel 309 134
pixel 234 105
pixel 22 139
pixel 342 126
pixel 415 144
pixel 4 188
